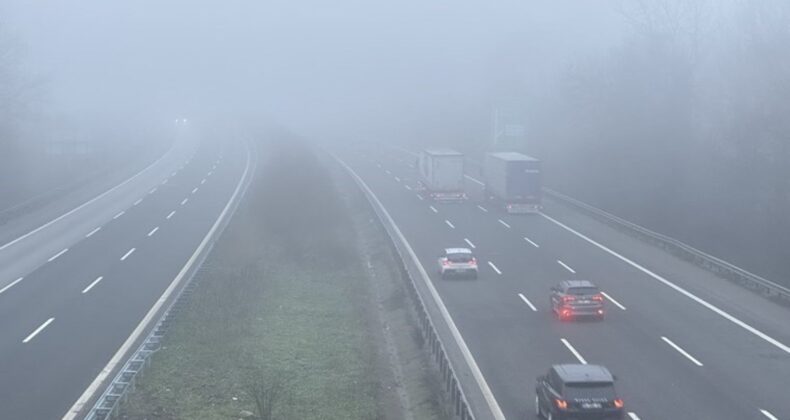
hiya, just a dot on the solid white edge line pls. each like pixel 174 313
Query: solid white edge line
pixel 90 286
pixel 493 405
pixel 611 299
pixel 54 257
pixel 87 203
pixel 92 232
pixel 776 343
pixel 151 233
pixel 119 214
pixel 494 267
pixel 766 413
pixel 531 306
pixel 10 285
pixel 573 351
pixel 468 242
pixel 128 253
pixel 172 213
pixel 566 266
pixel 449 224
pixel 482 208
pixel 474 180
pixel 633 415
pixel 681 351
pixel 37 330
pixel 504 223
pixel 117 358
pixel 531 242
pixel 433 209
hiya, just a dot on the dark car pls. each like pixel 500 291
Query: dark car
pixel 576 391
pixel 577 298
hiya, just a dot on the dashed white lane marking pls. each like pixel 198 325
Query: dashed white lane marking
pixel 90 286
pixel 681 351
pixel 119 215
pixel 203 181
pixel 776 343
pixel 184 201
pixel 378 165
pixel 210 173
pixel 153 190
pixel 420 197
pixel 433 209
pixel 531 306
pixel 174 174
pixel 388 172
pixel 531 242
pixel 165 181
pixel 153 231
pixel 407 187
pixel 471 245
pixel 494 267
pixel 767 414
pixel 611 299
pixel 573 351
pixel 128 253
pixel 10 285
pixel 476 181
pixel 54 257
pixel 482 208
pixel 633 415
pixel 566 266
pixel 449 224
pixel 38 330
pixel 139 200
pixel 504 223
pixel 195 190
pixel 397 179
pixel 171 214
pixel 92 232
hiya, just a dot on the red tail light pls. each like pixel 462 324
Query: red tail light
pixel 561 404
pixel 445 262
pixel 598 298
pixel 473 261
pixel 618 403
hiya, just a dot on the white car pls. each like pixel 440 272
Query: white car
pixel 457 261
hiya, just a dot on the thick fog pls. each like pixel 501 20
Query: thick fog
pixel 671 113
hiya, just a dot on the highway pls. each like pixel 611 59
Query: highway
pixel 683 343
pixel 76 280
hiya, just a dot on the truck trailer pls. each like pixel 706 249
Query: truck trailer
pixel 442 174
pixel 513 180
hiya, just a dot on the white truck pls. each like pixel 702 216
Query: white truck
pixel 442 174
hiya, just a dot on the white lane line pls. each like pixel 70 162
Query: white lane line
pixel 151 233
pixel 388 172
pixel 677 288
pixel 494 267
pixel 210 173
pixel 767 414
pixel 477 374
pixel 407 187
pixel 611 299
pixel 174 173
pixel 54 257
pixel 566 266
pixel 184 201
pixel 10 285
pixel 128 253
pixel 476 181
pixel 119 215
pixel 38 330
pixel 153 190
pixel 195 190
pixel 504 224
pixel 90 286
pixel 397 179
pixel 139 200
pixel 531 242
pixel 482 208
pixel 531 306
pixel 573 350
pixel 378 165
pixel 165 181
pixel 449 224
pixel 92 232
pixel 633 415
pixel 420 197
pixel 171 214
pixel 203 181
pixel 471 245
pixel 681 351
pixel 433 209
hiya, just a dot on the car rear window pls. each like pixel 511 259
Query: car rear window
pixel 589 390
pixel 459 258
pixel 582 291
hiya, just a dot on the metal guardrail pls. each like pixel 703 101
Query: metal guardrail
pixel 461 408
pixel 684 251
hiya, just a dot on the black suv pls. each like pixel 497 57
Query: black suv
pixel 574 298
pixel 576 391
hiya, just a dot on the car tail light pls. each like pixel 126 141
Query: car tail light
pixel 445 262
pixel 598 298
pixel 473 261
pixel 565 313
pixel 618 403
pixel 561 404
